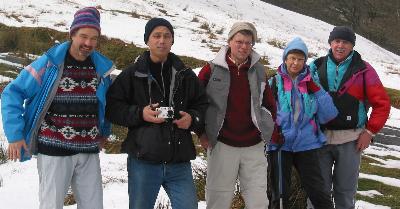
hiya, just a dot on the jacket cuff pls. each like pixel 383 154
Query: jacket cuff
pixel 196 125
pixel 140 114
pixel 319 93
pixel 370 132
pixel 16 137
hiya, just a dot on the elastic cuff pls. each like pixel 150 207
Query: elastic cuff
pixel 319 93
pixel 140 112
pixel 369 132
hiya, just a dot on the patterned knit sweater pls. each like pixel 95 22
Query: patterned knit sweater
pixel 70 125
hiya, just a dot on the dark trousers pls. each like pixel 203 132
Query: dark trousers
pixel 308 166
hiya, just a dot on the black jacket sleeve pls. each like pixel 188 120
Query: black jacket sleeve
pixel 120 109
pixel 198 103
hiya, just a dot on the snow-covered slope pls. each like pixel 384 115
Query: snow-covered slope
pixel 125 19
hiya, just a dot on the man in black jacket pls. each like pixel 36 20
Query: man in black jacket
pixel 161 102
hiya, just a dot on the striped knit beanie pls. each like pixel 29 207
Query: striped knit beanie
pixel 88 17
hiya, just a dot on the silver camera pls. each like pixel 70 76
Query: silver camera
pixel 165 112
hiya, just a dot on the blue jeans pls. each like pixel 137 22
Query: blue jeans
pixel 145 180
pixel 345 159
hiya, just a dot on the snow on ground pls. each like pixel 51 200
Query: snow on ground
pixel 365 205
pixel 369 193
pixel 20 185
pixel 394 116
pixel 383 150
pixel 4 79
pixel 3 55
pixel 119 20
pixel 22 179
pixel 10 63
pixel 386 180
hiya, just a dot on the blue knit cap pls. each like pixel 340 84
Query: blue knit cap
pixel 88 17
pixel 298 44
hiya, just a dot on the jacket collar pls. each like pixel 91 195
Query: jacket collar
pixel 348 58
pixel 144 59
pixel 302 78
pixel 304 75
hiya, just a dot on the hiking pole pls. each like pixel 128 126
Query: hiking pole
pixel 280 171
pixel 280 179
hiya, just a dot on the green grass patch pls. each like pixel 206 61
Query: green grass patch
pixel 389 196
pixel 270 72
pixel 386 157
pixel 389 193
pixel 367 168
pixel 394 95
pixel 3 154
pixel 8 71
pixel 391 157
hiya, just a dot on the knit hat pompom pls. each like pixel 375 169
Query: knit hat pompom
pixel 88 17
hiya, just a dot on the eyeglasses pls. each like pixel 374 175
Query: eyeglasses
pixel 294 59
pixel 245 43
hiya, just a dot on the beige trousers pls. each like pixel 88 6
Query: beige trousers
pixel 80 171
pixel 226 164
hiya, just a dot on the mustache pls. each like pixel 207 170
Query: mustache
pixel 86 46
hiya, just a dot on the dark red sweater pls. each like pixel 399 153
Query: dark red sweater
pixel 238 129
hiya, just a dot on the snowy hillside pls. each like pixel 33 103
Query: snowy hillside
pixel 194 22
pixel 201 26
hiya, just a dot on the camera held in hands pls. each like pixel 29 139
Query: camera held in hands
pixel 165 112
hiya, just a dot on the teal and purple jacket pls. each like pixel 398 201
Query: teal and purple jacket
pixel 314 109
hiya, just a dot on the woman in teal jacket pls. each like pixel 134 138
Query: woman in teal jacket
pixel 301 106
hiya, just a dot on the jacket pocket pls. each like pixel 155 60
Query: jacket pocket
pixel 348 107
pixel 152 143
pixel 185 149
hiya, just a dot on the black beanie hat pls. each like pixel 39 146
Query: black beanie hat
pixel 342 32
pixel 154 22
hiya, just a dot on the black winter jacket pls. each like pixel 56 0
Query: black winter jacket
pixel 131 92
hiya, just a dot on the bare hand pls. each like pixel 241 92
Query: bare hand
pixel 204 141
pixel 364 139
pixel 14 149
pixel 102 142
pixel 150 115
pixel 185 121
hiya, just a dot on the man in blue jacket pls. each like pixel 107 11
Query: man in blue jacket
pixel 55 108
